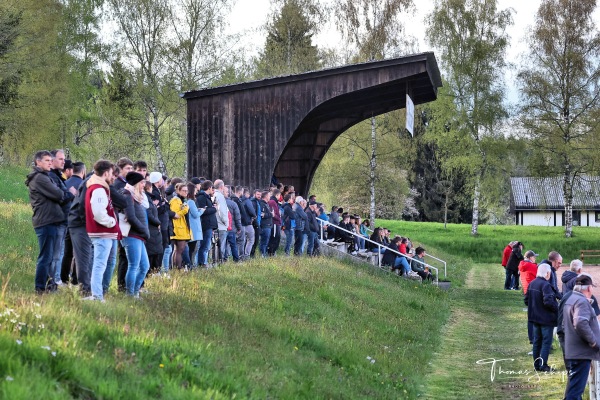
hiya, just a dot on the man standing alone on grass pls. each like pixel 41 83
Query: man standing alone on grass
pixel 46 199
pixel 582 336
pixel 101 223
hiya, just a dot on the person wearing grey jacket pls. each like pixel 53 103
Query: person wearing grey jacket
pixel 582 336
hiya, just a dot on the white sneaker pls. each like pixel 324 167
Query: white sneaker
pixel 60 283
pixel 89 298
pixel 530 353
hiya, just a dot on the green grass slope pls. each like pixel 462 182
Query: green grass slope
pixel 274 328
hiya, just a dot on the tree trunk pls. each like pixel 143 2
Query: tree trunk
pixel 162 166
pixel 446 206
pixel 476 196
pixel 568 193
pixel 372 166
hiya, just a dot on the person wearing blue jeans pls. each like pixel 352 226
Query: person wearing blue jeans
pixel 205 243
pixel 208 220
pixel 401 262
pixel 101 226
pixel 138 264
pixel 59 252
pixel 542 312
pixel 110 267
pixel 102 251
pixel 46 199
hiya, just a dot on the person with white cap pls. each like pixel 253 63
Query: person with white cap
pixel 581 335
pixel 542 309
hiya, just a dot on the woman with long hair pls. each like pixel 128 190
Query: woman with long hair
pixel 181 228
pixel 134 243
pixel 195 224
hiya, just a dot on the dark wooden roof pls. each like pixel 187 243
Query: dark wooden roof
pixel 530 193
pixel 248 132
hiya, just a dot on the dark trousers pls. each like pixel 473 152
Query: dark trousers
pixel 256 240
pixel 68 270
pixel 47 236
pixel 542 341
pixel 83 252
pixel 274 239
pixel 299 240
pixel 121 268
pixel 577 378
pixel 512 280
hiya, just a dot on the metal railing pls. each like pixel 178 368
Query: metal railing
pixel 380 246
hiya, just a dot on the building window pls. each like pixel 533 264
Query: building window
pixel 597 216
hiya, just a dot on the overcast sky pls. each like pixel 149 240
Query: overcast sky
pixel 249 16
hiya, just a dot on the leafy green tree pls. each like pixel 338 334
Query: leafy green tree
pixel 472 40
pixel 560 86
pixel 288 47
pixel 10 77
pixel 374 28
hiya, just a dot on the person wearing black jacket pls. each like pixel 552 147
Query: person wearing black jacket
pixel 68 270
pixel 542 310
pixel 266 222
pixel 46 199
pixel 313 226
pixel 125 166
pixel 165 215
pixel 58 163
pixel 208 220
pixel 154 246
pixel 512 267
pixel 555 261
pixel 289 221
pixel 256 223
pixel 249 229
pixel 134 242
pixel 244 219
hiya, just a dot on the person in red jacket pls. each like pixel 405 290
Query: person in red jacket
pixel 506 255
pixel 528 270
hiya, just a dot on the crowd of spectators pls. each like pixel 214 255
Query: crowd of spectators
pixel 121 217
pixel 570 312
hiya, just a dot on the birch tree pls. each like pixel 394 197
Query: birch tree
pixel 561 90
pixel 470 36
pixel 375 29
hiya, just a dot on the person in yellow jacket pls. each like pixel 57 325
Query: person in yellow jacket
pixel 181 228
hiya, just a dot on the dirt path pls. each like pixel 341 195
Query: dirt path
pixel 488 323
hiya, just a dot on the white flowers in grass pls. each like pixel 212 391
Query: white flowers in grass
pixel 9 378
pixel 46 348
pixel 19 342
pixel 371 359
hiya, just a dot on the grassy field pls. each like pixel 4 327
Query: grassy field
pixel 488 245
pixel 488 323
pixel 276 328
